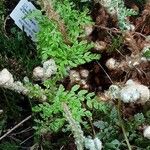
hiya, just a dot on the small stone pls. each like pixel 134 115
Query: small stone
pixel 49 68
pixel 83 82
pixel 134 92
pixel 6 78
pixel 84 73
pixel 38 73
pixel 100 46
pixel 74 76
pixel 88 30
pixel 111 64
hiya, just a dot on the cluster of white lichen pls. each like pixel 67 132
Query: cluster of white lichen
pixel 42 73
pixel 93 144
pixel 131 92
pixel 7 81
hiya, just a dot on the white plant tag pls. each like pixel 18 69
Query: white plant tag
pixel 30 26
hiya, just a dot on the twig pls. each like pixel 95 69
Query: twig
pixel 115 30
pixel 105 72
pixel 122 126
pixel 26 140
pixel 15 127
pixel 90 121
pixel 139 70
pixel 4 26
pixel 25 130
pixel 142 35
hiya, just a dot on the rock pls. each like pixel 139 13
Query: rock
pixel 146 132
pixel 38 73
pixel 6 78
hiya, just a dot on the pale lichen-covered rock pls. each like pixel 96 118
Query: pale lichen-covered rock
pixel 38 73
pixel 93 144
pixel 146 132
pixel 84 73
pixel 112 64
pixel 74 76
pixel 131 92
pixel 134 92
pixel 7 81
pixel 50 68
pixel 42 73
pixel 88 30
pixel 6 78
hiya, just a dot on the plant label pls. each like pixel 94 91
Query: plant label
pixel 19 14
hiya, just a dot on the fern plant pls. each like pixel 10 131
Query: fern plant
pixel 58 38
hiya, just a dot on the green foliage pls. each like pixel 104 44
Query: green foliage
pixel 122 14
pixel 137 120
pixel 9 146
pixel 109 127
pixel 51 43
pixel 116 44
pixel 147 54
pixel 52 112
pixel 111 134
pixel 69 50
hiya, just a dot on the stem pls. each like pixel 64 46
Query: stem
pixel 90 121
pixel 122 126
pixel 15 127
pixel 94 134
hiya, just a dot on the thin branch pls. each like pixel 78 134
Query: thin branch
pixel 26 139
pixel 122 126
pixel 15 127
pixel 105 72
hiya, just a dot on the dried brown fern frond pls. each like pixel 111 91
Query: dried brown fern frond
pixel 133 45
pixel 143 22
